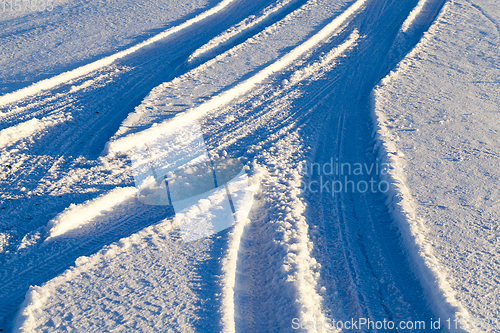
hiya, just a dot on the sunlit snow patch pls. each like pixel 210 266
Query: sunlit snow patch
pixel 76 216
pixel 207 195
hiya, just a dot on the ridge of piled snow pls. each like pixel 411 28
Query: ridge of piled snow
pixel 298 273
pixel 280 95
pixel 75 216
pixel 413 15
pixel 32 314
pixel 413 230
pixel 31 309
pixel 250 22
pixel 230 262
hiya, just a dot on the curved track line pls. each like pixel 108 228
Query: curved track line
pixel 76 216
pixel 28 317
pixel 50 259
pixel 229 267
pixel 376 273
pixel 361 207
pixel 308 305
pixel 412 229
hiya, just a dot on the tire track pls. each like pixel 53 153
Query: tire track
pixel 374 259
pixel 356 220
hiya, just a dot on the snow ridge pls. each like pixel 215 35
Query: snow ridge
pixel 420 17
pixel 229 265
pixel 76 216
pixel 413 15
pixel 402 206
pixel 299 266
pixel 31 315
pixel 26 321
pixel 413 231
pixel 11 135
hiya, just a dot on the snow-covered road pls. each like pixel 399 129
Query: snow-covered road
pixel 283 86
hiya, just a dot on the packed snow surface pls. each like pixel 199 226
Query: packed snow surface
pixel 250 166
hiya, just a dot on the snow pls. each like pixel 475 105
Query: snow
pixel 128 142
pixel 300 276
pixel 83 70
pixel 251 22
pixel 153 165
pixel 148 269
pixel 11 135
pixel 437 110
pixel 411 19
pixel 76 216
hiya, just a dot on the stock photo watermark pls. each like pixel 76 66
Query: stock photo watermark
pixel 26 5
pixel 208 194
pixel 334 177
pixel 356 324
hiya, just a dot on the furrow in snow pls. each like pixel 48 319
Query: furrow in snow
pixel 299 265
pixel 83 177
pixel 286 229
pixel 309 307
pixel 300 73
pixel 365 262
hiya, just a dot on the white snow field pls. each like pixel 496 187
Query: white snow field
pixel 368 137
